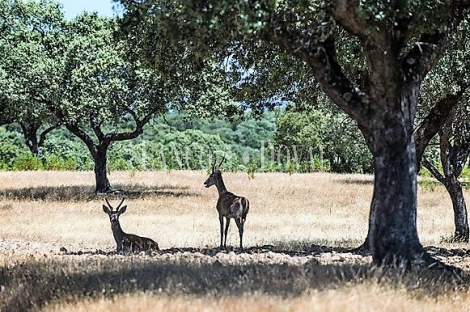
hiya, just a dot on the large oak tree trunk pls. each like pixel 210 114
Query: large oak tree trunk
pixel 393 235
pixel 101 176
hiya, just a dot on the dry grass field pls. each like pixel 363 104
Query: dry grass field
pixel 57 249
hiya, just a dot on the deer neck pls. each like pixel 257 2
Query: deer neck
pixel 118 233
pixel 220 185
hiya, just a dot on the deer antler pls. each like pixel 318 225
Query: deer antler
pixel 119 206
pixel 215 160
pixel 215 166
pixel 223 158
pixel 109 205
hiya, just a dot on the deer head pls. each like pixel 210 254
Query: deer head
pixel 215 174
pixel 114 214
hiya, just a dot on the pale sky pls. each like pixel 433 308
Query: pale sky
pixel 72 8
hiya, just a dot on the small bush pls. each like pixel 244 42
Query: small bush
pixel 27 161
pixel 4 166
pixel 54 162
pixel 120 164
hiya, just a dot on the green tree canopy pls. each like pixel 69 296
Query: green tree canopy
pixel 29 43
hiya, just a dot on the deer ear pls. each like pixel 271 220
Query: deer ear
pixel 105 209
pixel 123 209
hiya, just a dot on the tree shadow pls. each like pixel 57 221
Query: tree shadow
pixel 105 274
pixel 426 183
pixel 444 252
pixel 86 193
pixel 108 274
pixel 357 181
pixel 293 250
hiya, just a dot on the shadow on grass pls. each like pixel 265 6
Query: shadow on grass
pixel 294 250
pixel 357 181
pixel 85 193
pixel 25 287
pixel 424 183
pixel 33 284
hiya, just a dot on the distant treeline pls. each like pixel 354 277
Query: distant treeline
pixel 280 141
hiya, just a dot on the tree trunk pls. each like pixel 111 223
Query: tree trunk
pixel 454 155
pixel 32 139
pixel 30 135
pixel 454 189
pixel 393 235
pixel 460 210
pixel 101 176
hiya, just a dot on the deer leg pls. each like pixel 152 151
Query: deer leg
pixel 240 230
pixel 226 231
pixel 221 220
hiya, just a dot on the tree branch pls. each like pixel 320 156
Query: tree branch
pixel 345 14
pixel 445 145
pixel 72 127
pixel 436 174
pixel 42 136
pixel 320 55
pixel 96 126
pixel 435 120
pixel 429 48
pixel 139 129
pixel 82 135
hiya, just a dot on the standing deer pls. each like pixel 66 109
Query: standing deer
pixel 123 240
pixel 228 205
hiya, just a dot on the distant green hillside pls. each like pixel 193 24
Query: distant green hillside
pixel 277 141
pixel 171 142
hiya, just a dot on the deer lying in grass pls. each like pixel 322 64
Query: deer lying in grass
pixel 228 205
pixel 124 241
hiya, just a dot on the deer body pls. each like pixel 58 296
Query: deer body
pixel 124 241
pixel 229 206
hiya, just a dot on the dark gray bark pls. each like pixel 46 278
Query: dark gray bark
pixel 461 233
pixel 101 170
pixel 454 142
pixel 393 234
pixel 436 119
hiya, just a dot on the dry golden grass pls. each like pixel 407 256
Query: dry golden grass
pixel 307 207
pixel 283 208
pixel 42 211
pixel 347 299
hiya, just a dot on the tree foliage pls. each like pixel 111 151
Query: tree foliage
pixel 29 42
pixel 319 135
